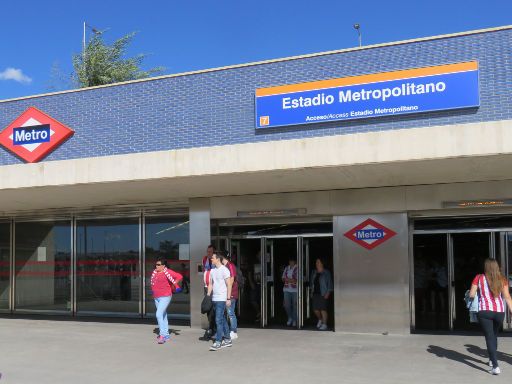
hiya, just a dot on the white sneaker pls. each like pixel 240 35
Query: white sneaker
pixel 496 371
pixel 319 324
pixel 323 327
pixel 233 335
pixel 289 322
pixel 490 363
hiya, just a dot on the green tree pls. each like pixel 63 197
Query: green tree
pixel 102 64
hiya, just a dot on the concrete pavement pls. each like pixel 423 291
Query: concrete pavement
pixel 50 351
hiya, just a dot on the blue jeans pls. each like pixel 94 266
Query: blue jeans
pixel 232 316
pixel 161 304
pixel 220 321
pixel 290 305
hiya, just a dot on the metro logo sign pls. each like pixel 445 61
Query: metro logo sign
pixel 370 234
pixel 33 135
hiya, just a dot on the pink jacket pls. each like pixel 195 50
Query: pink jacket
pixel 162 283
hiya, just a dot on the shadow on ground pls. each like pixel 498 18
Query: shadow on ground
pixel 171 331
pixel 476 350
pixel 457 356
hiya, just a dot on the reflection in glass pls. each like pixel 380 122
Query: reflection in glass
pixel 5 233
pixel 168 237
pixel 42 259
pixel 108 278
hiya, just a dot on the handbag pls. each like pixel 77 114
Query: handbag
pixel 472 304
pixel 206 304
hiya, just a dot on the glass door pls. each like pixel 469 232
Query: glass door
pixel 431 300
pixel 313 249
pixel 281 307
pixel 248 259
pixel 265 299
pixel 469 251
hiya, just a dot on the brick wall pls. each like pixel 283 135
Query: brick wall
pixel 217 108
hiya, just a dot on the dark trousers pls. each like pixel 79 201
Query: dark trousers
pixel 211 316
pixel 490 322
pixel 211 320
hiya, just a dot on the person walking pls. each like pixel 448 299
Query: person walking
pixel 207 268
pixel 233 324
pixel 163 280
pixel 321 290
pixel 289 279
pixel 220 290
pixel 492 288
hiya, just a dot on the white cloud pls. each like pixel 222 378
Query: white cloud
pixel 16 75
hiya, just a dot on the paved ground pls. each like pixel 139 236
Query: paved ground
pixel 46 351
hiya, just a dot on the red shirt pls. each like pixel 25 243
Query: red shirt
pixel 486 300
pixel 162 283
pixel 232 272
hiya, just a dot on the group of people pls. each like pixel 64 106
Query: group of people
pixel 221 284
pixel 321 290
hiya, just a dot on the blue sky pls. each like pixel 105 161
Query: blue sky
pixel 192 35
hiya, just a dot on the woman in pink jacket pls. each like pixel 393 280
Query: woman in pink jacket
pixel 163 280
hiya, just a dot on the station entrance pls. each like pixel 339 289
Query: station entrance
pixel 448 254
pixel 261 255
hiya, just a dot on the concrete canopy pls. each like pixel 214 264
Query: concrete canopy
pixel 431 155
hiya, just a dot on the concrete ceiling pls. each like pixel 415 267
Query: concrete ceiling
pixel 177 191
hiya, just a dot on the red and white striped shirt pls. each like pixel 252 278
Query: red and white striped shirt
pixel 290 278
pixel 486 300
pixel 161 282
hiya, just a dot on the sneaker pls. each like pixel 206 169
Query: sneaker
pixel 169 336
pixel 319 324
pixel 161 340
pixel 489 363
pixel 226 343
pixel 323 327
pixel 206 336
pixel 496 371
pixel 215 346
pixel 289 322
pixel 294 323
pixel 233 335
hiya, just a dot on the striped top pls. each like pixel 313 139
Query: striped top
pixel 486 300
pixel 161 282
pixel 290 278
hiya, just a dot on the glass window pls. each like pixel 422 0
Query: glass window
pixel 5 233
pixel 431 282
pixel 108 275
pixel 168 237
pixel 42 259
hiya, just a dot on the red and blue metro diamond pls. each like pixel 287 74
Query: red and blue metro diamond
pixel 33 135
pixel 370 234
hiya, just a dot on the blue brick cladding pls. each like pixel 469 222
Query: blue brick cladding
pixel 217 107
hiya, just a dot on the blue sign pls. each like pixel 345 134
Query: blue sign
pixel 428 89
pixel 31 134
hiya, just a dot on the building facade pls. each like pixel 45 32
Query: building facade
pixel 401 188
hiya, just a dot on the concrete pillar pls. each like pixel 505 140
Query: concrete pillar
pixel 199 241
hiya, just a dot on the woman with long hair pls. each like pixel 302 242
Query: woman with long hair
pixel 492 288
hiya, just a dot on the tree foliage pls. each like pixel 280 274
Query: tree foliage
pixel 102 64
